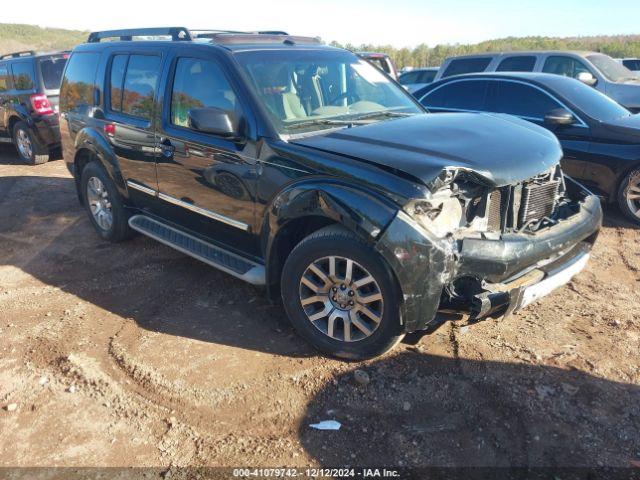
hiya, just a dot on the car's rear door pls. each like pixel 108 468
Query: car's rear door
pixel 132 79
pixel 206 182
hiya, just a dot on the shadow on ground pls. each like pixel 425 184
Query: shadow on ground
pixel 424 410
pixel 46 233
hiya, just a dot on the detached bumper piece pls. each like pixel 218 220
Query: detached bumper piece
pixel 502 299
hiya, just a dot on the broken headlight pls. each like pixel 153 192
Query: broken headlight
pixel 440 214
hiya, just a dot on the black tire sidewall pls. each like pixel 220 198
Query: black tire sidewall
pixel 23 126
pixel 347 245
pixel 622 200
pixel 120 228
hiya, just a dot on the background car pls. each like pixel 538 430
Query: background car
pixel 600 138
pixel 594 69
pixel 417 78
pixel 29 90
pixel 382 61
pixel 632 64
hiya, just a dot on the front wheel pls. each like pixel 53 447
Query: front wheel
pixel 340 296
pixel 629 196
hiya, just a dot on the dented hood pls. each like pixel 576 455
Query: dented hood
pixel 499 148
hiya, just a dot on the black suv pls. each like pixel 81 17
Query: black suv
pixel 29 89
pixel 300 167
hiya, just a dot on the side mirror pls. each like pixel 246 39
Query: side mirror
pixel 587 78
pixel 212 120
pixel 559 116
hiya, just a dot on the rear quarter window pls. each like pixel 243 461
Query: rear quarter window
pixel 461 66
pixel 76 91
pixel 23 75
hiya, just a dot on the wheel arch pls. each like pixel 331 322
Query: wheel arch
pixel 89 146
pixel 308 206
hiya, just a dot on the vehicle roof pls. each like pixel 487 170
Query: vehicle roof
pixel 581 53
pixel 421 69
pixel 548 79
pixel 34 56
pixel 259 44
pixel 372 54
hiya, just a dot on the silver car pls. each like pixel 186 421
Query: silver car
pixel 594 69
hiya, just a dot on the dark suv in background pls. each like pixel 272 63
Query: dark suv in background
pixel 303 168
pixel 29 90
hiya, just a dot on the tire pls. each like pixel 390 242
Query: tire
pixel 318 249
pixel 109 200
pixel 629 196
pixel 29 150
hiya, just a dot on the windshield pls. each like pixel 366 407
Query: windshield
pixel 51 69
pixel 309 90
pixel 614 71
pixel 592 102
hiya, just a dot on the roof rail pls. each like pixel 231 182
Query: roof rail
pixel 24 53
pixel 177 34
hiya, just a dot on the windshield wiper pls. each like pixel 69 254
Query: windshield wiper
pixel 382 113
pixel 324 121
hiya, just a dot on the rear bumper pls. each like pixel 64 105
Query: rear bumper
pixel 484 277
pixel 47 131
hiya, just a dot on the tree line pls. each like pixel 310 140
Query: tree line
pixel 618 46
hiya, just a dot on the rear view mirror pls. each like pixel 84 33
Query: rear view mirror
pixel 212 120
pixel 587 78
pixel 559 116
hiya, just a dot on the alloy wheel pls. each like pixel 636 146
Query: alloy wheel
pixel 24 144
pixel 632 194
pixel 341 298
pixel 99 203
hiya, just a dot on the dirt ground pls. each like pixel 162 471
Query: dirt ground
pixel 135 355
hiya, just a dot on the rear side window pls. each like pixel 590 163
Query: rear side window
pixel 409 78
pixel 521 100
pixel 517 64
pixel 78 84
pixel 139 86
pixel 23 75
pixel 198 84
pixel 466 65
pixel 51 69
pixel 462 95
pixel 632 64
pixel 4 79
pixel 566 66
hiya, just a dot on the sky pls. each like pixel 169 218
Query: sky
pixel 382 22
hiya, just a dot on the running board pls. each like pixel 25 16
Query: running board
pixel 205 252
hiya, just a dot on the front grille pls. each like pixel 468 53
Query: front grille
pixel 538 201
pixel 494 215
pixel 523 205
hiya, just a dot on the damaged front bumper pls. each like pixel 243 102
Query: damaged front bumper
pixel 485 277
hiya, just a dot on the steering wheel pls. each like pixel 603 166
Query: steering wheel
pixel 342 96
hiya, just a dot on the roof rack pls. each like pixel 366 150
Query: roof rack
pixel 216 36
pixel 177 34
pixel 24 53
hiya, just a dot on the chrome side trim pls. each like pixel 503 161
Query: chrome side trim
pixel 203 212
pixel 141 188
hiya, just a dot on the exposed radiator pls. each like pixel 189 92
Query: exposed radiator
pixel 538 201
